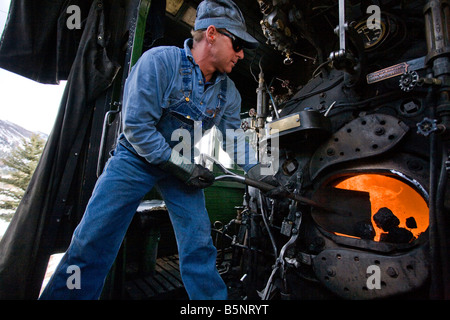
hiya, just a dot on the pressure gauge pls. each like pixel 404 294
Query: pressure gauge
pixel 371 37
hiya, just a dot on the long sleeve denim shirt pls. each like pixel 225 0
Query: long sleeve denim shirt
pixel 155 83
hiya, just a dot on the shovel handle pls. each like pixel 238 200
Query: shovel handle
pixel 267 187
pixel 259 184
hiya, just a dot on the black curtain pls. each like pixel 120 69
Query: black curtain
pixel 48 203
pixel 36 42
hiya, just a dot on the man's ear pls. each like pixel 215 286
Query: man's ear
pixel 211 33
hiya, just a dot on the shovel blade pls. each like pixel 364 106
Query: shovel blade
pixel 357 222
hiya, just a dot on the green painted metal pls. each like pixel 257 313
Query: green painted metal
pixel 222 198
pixel 139 33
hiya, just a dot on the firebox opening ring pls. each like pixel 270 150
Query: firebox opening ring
pixel 389 189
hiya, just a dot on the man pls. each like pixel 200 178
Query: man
pixel 168 89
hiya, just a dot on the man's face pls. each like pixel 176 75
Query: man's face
pixel 224 55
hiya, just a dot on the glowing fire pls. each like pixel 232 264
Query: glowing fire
pixel 400 198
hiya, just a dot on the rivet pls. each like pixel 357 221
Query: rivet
pixel 392 272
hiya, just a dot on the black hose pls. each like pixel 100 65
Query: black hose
pixel 272 240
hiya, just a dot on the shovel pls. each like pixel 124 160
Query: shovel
pixel 231 176
pixel 352 213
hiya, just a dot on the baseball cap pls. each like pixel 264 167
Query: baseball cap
pixel 224 14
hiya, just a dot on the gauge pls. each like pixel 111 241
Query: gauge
pixel 371 37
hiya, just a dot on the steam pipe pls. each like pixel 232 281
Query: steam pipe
pixel 261 102
pixel 441 228
pixel 437 26
pixel 437 15
pixel 435 265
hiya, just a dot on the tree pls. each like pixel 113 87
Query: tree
pixel 22 162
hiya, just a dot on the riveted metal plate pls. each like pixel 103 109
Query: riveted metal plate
pixel 352 274
pixel 363 137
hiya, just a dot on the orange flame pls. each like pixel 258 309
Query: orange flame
pixel 394 194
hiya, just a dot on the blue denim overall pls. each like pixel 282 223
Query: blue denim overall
pixel 186 118
pixel 126 179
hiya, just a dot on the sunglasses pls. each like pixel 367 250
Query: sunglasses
pixel 237 43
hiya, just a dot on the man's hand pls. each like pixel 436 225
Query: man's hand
pixel 200 177
pixel 190 173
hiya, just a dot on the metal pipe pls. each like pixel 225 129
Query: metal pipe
pixel 342 25
pixel 261 101
pixel 266 224
pixel 437 27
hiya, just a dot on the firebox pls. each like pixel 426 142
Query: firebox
pixel 399 211
pixel 384 227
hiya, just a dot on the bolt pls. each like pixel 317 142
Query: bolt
pixel 410 107
pixel 330 151
pixel 392 272
pixel 379 131
pixel 414 165
pixel 331 271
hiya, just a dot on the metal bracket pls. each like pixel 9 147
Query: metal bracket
pixel 280 262
pixel 107 122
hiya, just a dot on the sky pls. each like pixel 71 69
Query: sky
pixel 25 102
